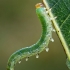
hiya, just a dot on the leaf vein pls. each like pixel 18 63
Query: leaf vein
pixel 65 20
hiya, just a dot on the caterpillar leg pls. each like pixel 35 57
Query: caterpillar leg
pixel 27 58
pixel 37 56
pixel 47 49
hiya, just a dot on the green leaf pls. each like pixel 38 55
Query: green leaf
pixel 61 10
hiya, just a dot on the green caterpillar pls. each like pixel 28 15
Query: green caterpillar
pixel 41 44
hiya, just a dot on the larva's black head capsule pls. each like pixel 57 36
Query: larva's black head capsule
pixel 39 5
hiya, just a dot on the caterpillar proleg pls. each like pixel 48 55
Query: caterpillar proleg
pixel 41 44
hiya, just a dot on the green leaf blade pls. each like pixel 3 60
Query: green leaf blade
pixel 61 10
pixel 65 29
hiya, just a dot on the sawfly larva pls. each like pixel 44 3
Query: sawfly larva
pixel 41 44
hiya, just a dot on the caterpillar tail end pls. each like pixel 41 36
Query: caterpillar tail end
pixel 68 63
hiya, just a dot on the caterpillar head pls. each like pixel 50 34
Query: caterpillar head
pixel 40 9
pixel 38 5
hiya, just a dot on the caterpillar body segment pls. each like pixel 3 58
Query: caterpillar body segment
pixel 41 44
